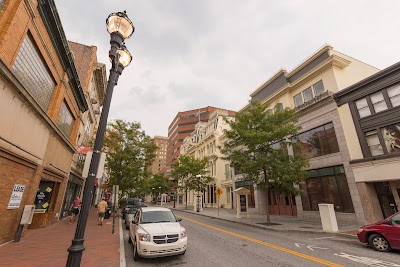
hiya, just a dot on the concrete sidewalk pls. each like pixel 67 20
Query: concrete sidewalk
pixel 281 223
pixel 48 246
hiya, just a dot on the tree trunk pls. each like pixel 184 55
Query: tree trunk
pixel 186 200
pixel 268 217
pixel 267 192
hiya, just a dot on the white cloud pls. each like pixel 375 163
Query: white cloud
pixel 191 54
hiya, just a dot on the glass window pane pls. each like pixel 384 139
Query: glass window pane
pixel 378 102
pixel 393 91
pixel 330 191
pixel 298 100
pixel 364 112
pixel 391 135
pixel 395 101
pixel 31 70
pixel 304 197
pixel 319 88
pixel 65 120
pixel 331 137
pixel 374 144
pixel 345 198
pixel 363 109
pixel 307 95
pixel 361 103
pixel 314 189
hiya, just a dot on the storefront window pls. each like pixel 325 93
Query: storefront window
pixel 326 185
pixel 391 135
pixel 46 196
pixel 317 142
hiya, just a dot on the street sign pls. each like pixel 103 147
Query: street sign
pixel 218 191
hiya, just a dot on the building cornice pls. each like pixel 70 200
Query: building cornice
pixel 52 22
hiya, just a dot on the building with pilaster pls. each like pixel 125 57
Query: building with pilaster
pixel 205 141
pixel 309 89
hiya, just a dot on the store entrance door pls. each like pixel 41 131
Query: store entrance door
pixel 386 199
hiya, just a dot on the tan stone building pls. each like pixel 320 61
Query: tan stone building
pixel 41 102
pixel 160 160
pixel 372 128
pixel 204 141
pixel 309 89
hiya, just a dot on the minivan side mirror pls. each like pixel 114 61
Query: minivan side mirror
pixel 179 219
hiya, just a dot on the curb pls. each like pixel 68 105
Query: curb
pixel 349 236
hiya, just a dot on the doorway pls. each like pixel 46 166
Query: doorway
pixel 386 198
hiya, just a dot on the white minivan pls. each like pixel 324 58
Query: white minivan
pixel 156 232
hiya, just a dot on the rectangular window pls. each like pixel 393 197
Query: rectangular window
pixel 394 95
pixel 31 70
pixel 391 135
pixel 363 108
pixel 317 142
pixel 373 143
pixel 88 125
pixel 307 94
pixel 278 107
pixel 298 100
pixel 326 185
pixel 2 3
pixel 318 88
pixel 378 102
pixel 65 120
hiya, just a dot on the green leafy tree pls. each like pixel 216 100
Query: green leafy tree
pixel 129 154
pixel 185 171
pixel 257 146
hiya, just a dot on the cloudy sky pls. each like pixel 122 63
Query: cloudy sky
pixel 197 53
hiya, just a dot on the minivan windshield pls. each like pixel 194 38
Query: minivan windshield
pixel 158 216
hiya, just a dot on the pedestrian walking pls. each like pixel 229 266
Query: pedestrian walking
pixel 101 210
pixel 75 206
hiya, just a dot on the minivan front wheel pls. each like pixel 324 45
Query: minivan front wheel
pixel 379 243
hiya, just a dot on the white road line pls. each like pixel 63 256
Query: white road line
pixel 326 237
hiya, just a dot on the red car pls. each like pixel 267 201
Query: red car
pixel 382 236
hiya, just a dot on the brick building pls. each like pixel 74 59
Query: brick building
pixel 41 101
pixel 161 154
pixel 183 125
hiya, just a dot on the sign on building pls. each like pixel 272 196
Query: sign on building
pixel 16 196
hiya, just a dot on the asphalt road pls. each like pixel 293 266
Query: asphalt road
pixel 213 242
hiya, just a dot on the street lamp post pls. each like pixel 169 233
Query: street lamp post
pixel 120 28
pixel 198 176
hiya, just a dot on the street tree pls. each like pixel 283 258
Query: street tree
pixel 129 154
pixel 191 174
pixel 256 145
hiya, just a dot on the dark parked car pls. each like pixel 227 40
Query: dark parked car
pixel 131 202
pixel 383 235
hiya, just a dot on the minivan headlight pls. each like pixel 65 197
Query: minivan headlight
pixel 183 234
pixel 144 237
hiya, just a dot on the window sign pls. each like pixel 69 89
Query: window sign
pixel 391 135
pixel 16 196
pixel 43 196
